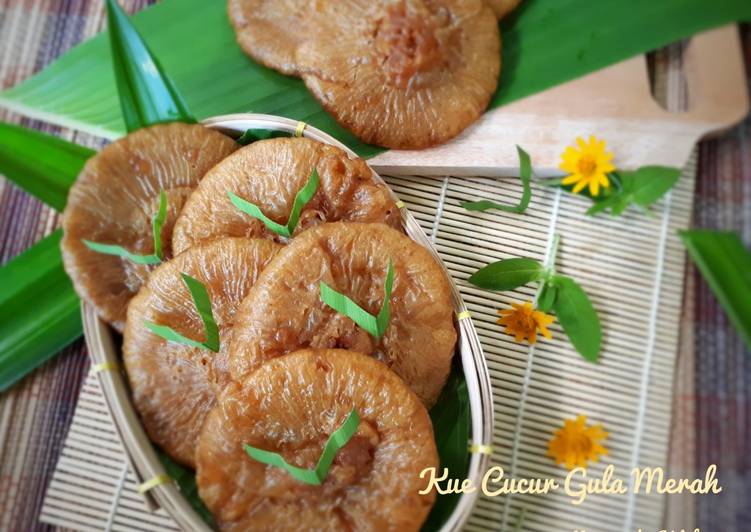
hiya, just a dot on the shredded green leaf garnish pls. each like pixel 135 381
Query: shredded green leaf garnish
pixel 525 174
pixel 156 226
pixel 203 306
pixel 316 476
pixel 303 196
pixel 375 325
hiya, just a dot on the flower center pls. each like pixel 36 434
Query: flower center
pixel 587 166
pixel 525 323
pixel 580 443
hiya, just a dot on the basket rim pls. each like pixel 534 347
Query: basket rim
pixel 139 450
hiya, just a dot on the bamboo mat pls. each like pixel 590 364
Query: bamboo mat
pixel 634 278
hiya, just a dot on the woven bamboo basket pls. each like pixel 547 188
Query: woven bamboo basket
pixel 140 452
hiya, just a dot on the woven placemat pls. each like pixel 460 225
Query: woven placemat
pixel 635 279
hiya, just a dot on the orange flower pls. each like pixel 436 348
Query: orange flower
pixel 575 444
pixel 523 322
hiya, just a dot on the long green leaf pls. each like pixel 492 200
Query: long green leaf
pixel 577 316
pixel 303 196
pixel 316 476
pixel 525 174
pixel 548 42
pixel 202 302
pixel 43 165
pixel 508 274
pixel 39 310
pixel 147 95
pixel 157 221
pixel 544 44
pixel 725 264
pixel 374 325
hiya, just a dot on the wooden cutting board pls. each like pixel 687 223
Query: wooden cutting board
pixel 614 103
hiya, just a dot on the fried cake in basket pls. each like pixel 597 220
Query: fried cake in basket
pixel 174 385
pixel 114 199
pixel 269 174
pixel 291 405
pixel 284 311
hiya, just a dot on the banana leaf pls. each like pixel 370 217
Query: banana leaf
pixel 545 43
pixel 43 165
pixel 39 310
pixel 726 266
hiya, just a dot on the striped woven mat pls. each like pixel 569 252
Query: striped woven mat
pixel 711 420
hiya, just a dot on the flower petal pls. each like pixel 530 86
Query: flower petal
pixel 573 178
pixel 580 185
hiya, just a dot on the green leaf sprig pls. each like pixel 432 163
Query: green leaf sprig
pixel 336 441
pixel 557 292
pixel 641 188
pixel 202 303
pixel 525 174
pixel 147 95
pixel 304 195
pixel 157 222
pixel 375 325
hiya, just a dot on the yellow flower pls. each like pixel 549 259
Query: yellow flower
pixel 575 444
pixel 522 321
pixel 587 166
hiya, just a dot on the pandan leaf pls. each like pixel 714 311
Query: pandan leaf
pixel 254 135
pixel 336 441
pixel 39 310
pixel 525 174
pixel 303 196
pixel 157 222
pixel 42 165
pixel 147 94
pixel 202 302
pixel 375 325
pixel 725 264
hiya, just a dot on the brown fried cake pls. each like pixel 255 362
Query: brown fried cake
pixel 269 174
pixel 291 405
pixel 174 385
pixel 284 312
pixel 114 199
